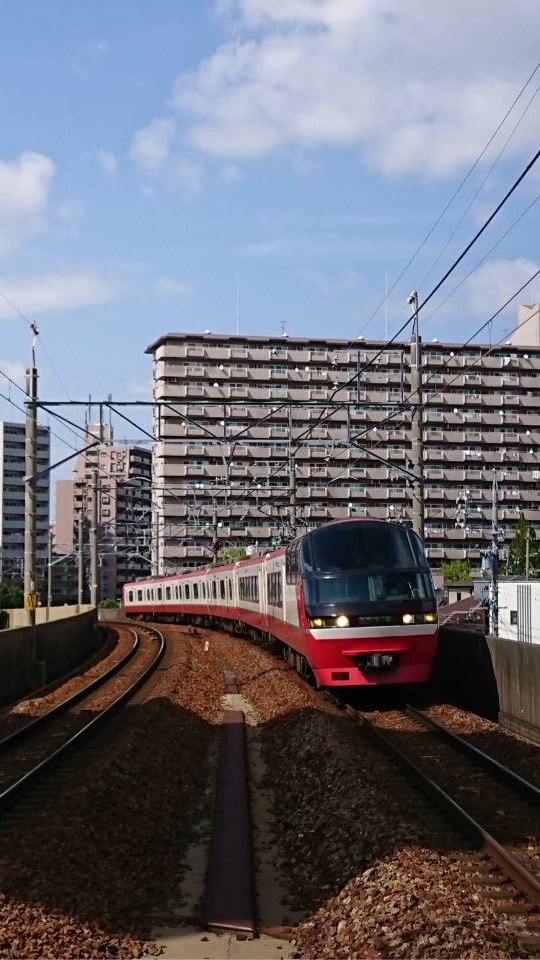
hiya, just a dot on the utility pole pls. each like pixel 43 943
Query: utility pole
pixel 491 563
pixel 94 558
pixel 527 552
pixel 417 443
pixel 30 594
pixel 292 478
pixel 80 559
pixel 215 542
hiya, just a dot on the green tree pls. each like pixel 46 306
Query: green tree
pixel 454 571
pixel 11 596
pixel 109 604
pixel 230 555
pixel 518 549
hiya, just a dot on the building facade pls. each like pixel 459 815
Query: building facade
pixel 124 494
pixel 257 438
pixel 12 492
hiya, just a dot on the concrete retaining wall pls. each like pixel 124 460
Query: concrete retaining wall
pixel 30 659
pixel 17 618
pixel 497 678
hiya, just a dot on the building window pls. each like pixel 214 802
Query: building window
pixel 513 618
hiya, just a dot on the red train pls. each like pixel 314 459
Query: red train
pixel 351 603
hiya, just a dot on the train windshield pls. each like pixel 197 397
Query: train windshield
pixel 365 563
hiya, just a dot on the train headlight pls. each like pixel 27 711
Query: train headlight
pixel 342 621
pixel 317 622
pixel 408 618
pixel 430 617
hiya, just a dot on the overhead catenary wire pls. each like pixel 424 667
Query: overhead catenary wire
pixel 456 192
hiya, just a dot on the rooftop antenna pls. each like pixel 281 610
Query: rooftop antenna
pixel 386 305
pixel 237 301
pixel 283 329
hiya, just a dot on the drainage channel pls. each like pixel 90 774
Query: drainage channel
pixel 243 899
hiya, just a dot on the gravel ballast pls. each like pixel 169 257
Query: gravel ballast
pixel 375 869
pixel 371 868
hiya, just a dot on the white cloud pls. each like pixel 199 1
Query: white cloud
pixel 172 286
pixel 151 147
pixel 108 163
pixel 24 193
pixel 15 370
pixel 484 293
pixel 154 152
pixel 494 282
pixel 56 292
pixel 70 214
pixel 416 87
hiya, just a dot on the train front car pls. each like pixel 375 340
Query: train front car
pixel 369 603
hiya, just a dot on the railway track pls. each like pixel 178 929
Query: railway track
pixel 498 809
pixel 35 749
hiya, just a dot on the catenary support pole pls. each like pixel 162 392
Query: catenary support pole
pixel 80 559
pixel 30 598
pixel 94 558
pixel 494 586
pixel 49 574
pixel 292 478
pixel 417 443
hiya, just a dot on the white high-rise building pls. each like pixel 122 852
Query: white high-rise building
pixel 12 473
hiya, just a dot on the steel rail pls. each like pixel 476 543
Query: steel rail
pixel 6 743
pixel 468 749
pixel 12 793
pixel 513 868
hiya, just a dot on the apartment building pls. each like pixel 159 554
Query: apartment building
pixel 12 492
pixel 253 434
pixel 124 509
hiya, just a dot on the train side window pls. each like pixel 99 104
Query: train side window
pixel 195 591
pixel 187 591
pixel 159 593
pixel 275 592
pixel 222 589
pixel 167 593
pixel 292 566
pixel 203 588
pixel 139 594
pixel 230 589
pixel 214 589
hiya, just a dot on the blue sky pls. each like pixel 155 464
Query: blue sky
pixel 152 153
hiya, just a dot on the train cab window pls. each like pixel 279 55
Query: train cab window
pixel 214 589
pixel 222 589
pixel 167 593
pixel 130 596
pixel 195 591
pixel 186 588
pixel 139 594
pixel 159 593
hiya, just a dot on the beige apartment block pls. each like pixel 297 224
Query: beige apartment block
pixel 124 510
pixel 236 418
